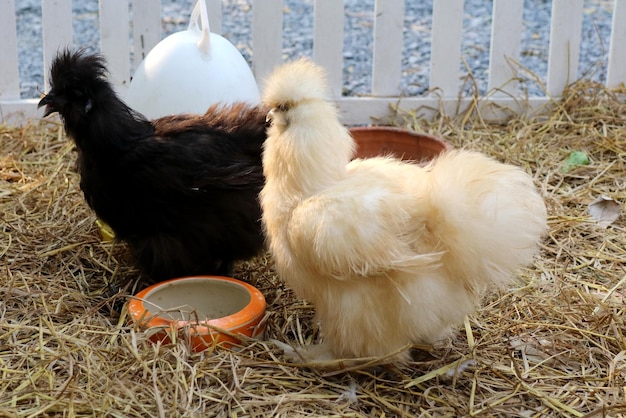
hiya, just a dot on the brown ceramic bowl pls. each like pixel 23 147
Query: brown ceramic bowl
pixel 375 141
pixel 206 310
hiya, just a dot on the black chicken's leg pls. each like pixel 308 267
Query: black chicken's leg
pixel 226 268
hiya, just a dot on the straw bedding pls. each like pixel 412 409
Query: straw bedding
pixel 555 345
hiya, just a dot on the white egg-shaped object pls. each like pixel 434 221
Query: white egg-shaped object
pixel 189 71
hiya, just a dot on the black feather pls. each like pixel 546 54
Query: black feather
pixel 181 190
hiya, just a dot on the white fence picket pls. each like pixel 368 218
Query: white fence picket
pixel 267 37
pixel 214 8
pixel 328 41
pixel 506 35
pixel 565 27
pixel 616 72
pixel 387 55
pixel 445 51
pixel 329 19
pixel 9 70
pixel 114 18
pixel 56 19
pixel 146 27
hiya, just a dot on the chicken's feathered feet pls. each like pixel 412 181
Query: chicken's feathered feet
pixel 322 357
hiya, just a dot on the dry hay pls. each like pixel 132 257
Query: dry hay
pixel 553 346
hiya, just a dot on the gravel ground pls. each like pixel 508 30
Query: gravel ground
pixel 298 27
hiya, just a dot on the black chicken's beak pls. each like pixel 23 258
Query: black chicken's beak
pixel 47 101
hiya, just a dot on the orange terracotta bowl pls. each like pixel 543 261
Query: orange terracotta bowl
pixel 374 141
pixel 205 310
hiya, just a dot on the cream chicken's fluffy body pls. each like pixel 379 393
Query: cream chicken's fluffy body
pixel 388 252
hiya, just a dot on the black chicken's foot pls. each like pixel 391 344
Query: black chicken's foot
pixel 226 268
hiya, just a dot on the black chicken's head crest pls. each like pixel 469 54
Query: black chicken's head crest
pixel 76 78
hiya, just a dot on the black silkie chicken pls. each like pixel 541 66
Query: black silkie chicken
pixel 181 190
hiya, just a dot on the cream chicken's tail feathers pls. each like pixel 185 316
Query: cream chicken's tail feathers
pixel 491 217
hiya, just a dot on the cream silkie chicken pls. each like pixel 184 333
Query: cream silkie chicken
pixel 389 253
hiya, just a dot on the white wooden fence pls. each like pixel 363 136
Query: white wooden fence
pixel 267 40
